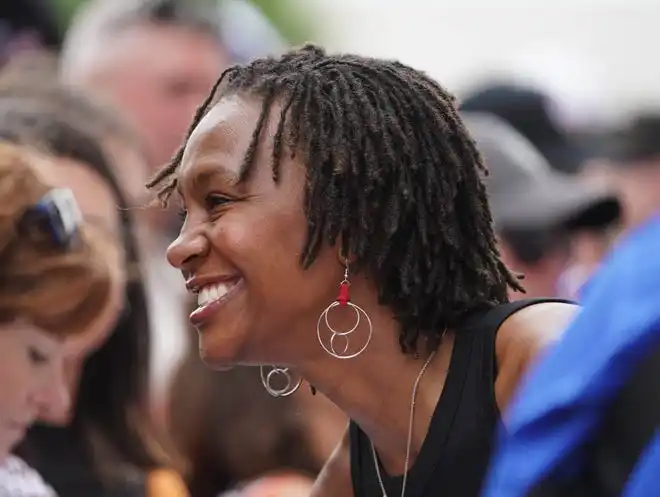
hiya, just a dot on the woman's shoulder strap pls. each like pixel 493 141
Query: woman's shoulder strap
pixel 493 318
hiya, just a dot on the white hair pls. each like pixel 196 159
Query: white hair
pixel 87 33
pixel 98 21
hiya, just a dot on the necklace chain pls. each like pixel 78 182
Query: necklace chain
pixel 410 429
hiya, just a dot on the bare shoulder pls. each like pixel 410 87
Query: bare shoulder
pixel 335 477
pixel 522 337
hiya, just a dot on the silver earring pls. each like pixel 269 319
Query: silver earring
pixel 282 376
pixel 337 343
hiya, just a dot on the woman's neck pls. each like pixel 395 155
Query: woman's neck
pixel 375 390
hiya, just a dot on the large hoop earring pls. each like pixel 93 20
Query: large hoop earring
pixel 342 350
pixel 284 375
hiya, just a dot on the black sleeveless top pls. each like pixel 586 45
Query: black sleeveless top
pixel 454 456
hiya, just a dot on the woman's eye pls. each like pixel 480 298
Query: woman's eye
pixel 182 213
pixel 37 357
pixel 214 201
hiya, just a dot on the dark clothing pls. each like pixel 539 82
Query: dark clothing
pixel 454 457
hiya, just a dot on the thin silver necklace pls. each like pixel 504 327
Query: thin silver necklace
pixel 410 428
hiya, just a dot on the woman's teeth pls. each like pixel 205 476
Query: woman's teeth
pixel 212 292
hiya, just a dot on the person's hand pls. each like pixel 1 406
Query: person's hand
pixel 289 485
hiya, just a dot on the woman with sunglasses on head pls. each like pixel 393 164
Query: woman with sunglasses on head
pixel 336 228
pixel 107 443
pixel 54 282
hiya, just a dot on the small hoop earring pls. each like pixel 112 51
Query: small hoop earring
pixel 268 380
pixel 341 351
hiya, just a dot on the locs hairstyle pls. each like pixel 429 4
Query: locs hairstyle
pixel 391 172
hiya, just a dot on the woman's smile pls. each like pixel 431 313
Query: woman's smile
pixel 212 297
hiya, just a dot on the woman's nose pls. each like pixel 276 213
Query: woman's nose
pixel 188 246
pixel 54 399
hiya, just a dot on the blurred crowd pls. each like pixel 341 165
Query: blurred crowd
pixel 108 102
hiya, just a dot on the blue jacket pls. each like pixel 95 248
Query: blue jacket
pixel 566 396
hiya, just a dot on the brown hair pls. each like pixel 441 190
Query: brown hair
pixel 33 78
pixel 111 420
pixel 60 290
pixel 230 430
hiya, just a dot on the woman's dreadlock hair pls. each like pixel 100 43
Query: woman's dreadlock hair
pixel 391 172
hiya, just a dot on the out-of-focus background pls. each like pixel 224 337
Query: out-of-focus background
pixel 598 55
pixel 595 54
pixel 127 76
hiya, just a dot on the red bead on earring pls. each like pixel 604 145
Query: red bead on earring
pixel 343 297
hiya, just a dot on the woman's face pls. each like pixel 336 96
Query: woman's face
pixel 241 243
pixel 31 380
pixel 99 210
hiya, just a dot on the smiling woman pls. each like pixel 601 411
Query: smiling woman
pixel 336 225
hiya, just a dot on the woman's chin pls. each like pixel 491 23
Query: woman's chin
pixel 56 420
pixel 219 358
pixel 225 348
pixel 218 365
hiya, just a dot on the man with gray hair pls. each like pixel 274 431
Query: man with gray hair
pixel 155 59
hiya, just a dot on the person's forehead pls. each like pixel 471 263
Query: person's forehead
pixel 154 45
pixel 224 135
pixel 224 116
pixel 226 126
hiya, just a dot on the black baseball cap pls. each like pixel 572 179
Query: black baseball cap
pixel 531 113
pixel 525 193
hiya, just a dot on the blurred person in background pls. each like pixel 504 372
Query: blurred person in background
pixel 592 244
pixel 233 434
pixel 155 60
pixel 316 188
pixel 55 283
pixel 626 161
pixel 540 215
pixel 247 33
pixel 541 119
pixel 586 421
pixel 106 444
pixel 630 156
pixel 21 78
pixel 535 115
pixel 27 26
